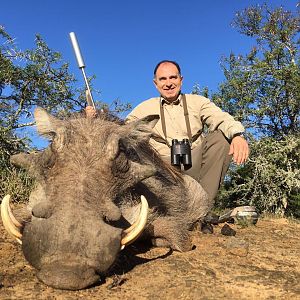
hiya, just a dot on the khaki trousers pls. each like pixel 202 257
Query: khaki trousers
pixel 210 162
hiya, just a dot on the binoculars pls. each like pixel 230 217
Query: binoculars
pixel 181 153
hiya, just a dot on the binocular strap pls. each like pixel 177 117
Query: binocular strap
pixel 186 116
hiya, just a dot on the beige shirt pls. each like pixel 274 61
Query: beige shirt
pixel 201 111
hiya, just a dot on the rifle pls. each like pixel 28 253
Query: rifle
pixel 81 65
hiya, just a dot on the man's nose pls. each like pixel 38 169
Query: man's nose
pixel 169 84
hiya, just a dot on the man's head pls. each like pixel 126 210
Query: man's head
pixel 168 79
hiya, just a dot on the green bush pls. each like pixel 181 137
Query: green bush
pixel 13 181
pixel 270 180
pixel 16 183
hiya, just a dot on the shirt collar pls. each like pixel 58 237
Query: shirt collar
pixel 176 102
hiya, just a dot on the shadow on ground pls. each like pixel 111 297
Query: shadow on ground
pixel 260 262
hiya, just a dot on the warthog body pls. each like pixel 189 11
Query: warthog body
pixel 90 179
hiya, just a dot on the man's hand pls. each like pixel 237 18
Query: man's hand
pixel 90 112
pixel 240 150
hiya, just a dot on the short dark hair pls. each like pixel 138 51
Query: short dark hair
pixel 167 61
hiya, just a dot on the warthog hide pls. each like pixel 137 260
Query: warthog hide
pixel 89 182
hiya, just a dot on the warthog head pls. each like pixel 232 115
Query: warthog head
pixel 78 227
pixel 86 206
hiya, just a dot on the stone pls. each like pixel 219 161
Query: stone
pixel 236 246
pixel 228 231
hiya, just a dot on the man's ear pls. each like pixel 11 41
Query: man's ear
pixel 155 82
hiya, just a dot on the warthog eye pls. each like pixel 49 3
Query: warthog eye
pixel 120 164
pixel 129 151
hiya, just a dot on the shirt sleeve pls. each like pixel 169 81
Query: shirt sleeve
pixel 144 109
pixel 215 118
pixel 135 114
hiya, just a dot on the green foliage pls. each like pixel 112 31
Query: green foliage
pixel 30 78
pixel 16 183
pixel 270 179
pixel 198 91
pixel 36 77
pixel 262 90
pixel 293 208
pixel 13 181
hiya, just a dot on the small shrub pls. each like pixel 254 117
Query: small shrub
pixel 270 180
pixel 15 182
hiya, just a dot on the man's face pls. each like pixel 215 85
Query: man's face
pixel 168 81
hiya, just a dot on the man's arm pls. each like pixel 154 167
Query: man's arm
pixel 90 112
pixel 144 109
pixel 215 118
pixel 239 149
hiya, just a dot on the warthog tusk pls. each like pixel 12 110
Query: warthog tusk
pixel 10 223
pixel 12 217
pixel 136 229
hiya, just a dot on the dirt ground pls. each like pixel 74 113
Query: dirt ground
pixel 260 262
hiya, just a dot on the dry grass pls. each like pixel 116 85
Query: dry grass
pixel 16 183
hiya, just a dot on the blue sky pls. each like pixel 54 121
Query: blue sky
pixel 121 41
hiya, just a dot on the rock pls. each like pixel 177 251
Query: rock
pixel 228 231
pixel 237 246
pixel 206 228
pixel 211 218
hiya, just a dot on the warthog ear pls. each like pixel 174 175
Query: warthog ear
pixel 26 161
pixel 23 160
pixel 141 129
pixel 130 134
pixel 47 125
pixel 35 163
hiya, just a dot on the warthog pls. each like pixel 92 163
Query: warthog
pixel 89 183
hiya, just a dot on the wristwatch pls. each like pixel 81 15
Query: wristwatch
pixel 241 134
